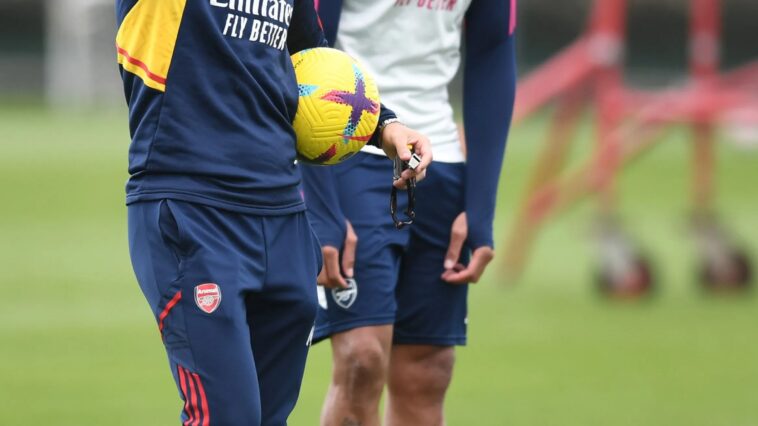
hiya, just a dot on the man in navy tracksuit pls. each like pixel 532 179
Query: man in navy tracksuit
pixel 218 236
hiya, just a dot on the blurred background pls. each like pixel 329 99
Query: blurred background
pixel 627 227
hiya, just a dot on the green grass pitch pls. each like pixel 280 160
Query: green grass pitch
pixel 78 345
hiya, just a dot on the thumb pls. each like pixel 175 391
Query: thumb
pixel 479 261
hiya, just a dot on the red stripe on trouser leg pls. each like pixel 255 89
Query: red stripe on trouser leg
pixel 169 306
pixel 203 401
pixel 183 385
pixel 193 400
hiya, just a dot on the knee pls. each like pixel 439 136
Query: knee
pixel 423 374
pixel 362 364
pixel 441 373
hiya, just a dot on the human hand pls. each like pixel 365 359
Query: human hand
pixel 331 275
pixel 397 141
pixel 455 272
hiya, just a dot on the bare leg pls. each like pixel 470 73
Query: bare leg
pixel 361 360
pixel 418 380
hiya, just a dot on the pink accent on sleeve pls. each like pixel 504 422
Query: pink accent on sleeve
pixel 316 2
pixel 513 17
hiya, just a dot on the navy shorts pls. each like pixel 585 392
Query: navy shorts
pixel 234 296
pixel 397 272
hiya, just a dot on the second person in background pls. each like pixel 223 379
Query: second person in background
pixel 395 304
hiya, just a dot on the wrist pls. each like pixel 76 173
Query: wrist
pixel 329 235
pixel 384 115
pixel 479 237
pixel 386 123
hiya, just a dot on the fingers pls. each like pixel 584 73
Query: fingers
pixel 405 177
pixel 395 137
pixel 348 252
pixel 409 174
pixel 397 141
pixel 321 279
pixel 458 236
pixel 330 276
pixel 419 173
pixel 401 147
pixel 466 276
pixel 473 272
pixel 456 269
pixel 423 148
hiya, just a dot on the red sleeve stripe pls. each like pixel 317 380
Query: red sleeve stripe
pixel 136 62
pixel 316 4
pixel 170 305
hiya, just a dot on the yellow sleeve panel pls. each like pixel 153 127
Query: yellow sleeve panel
pixel 146 40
